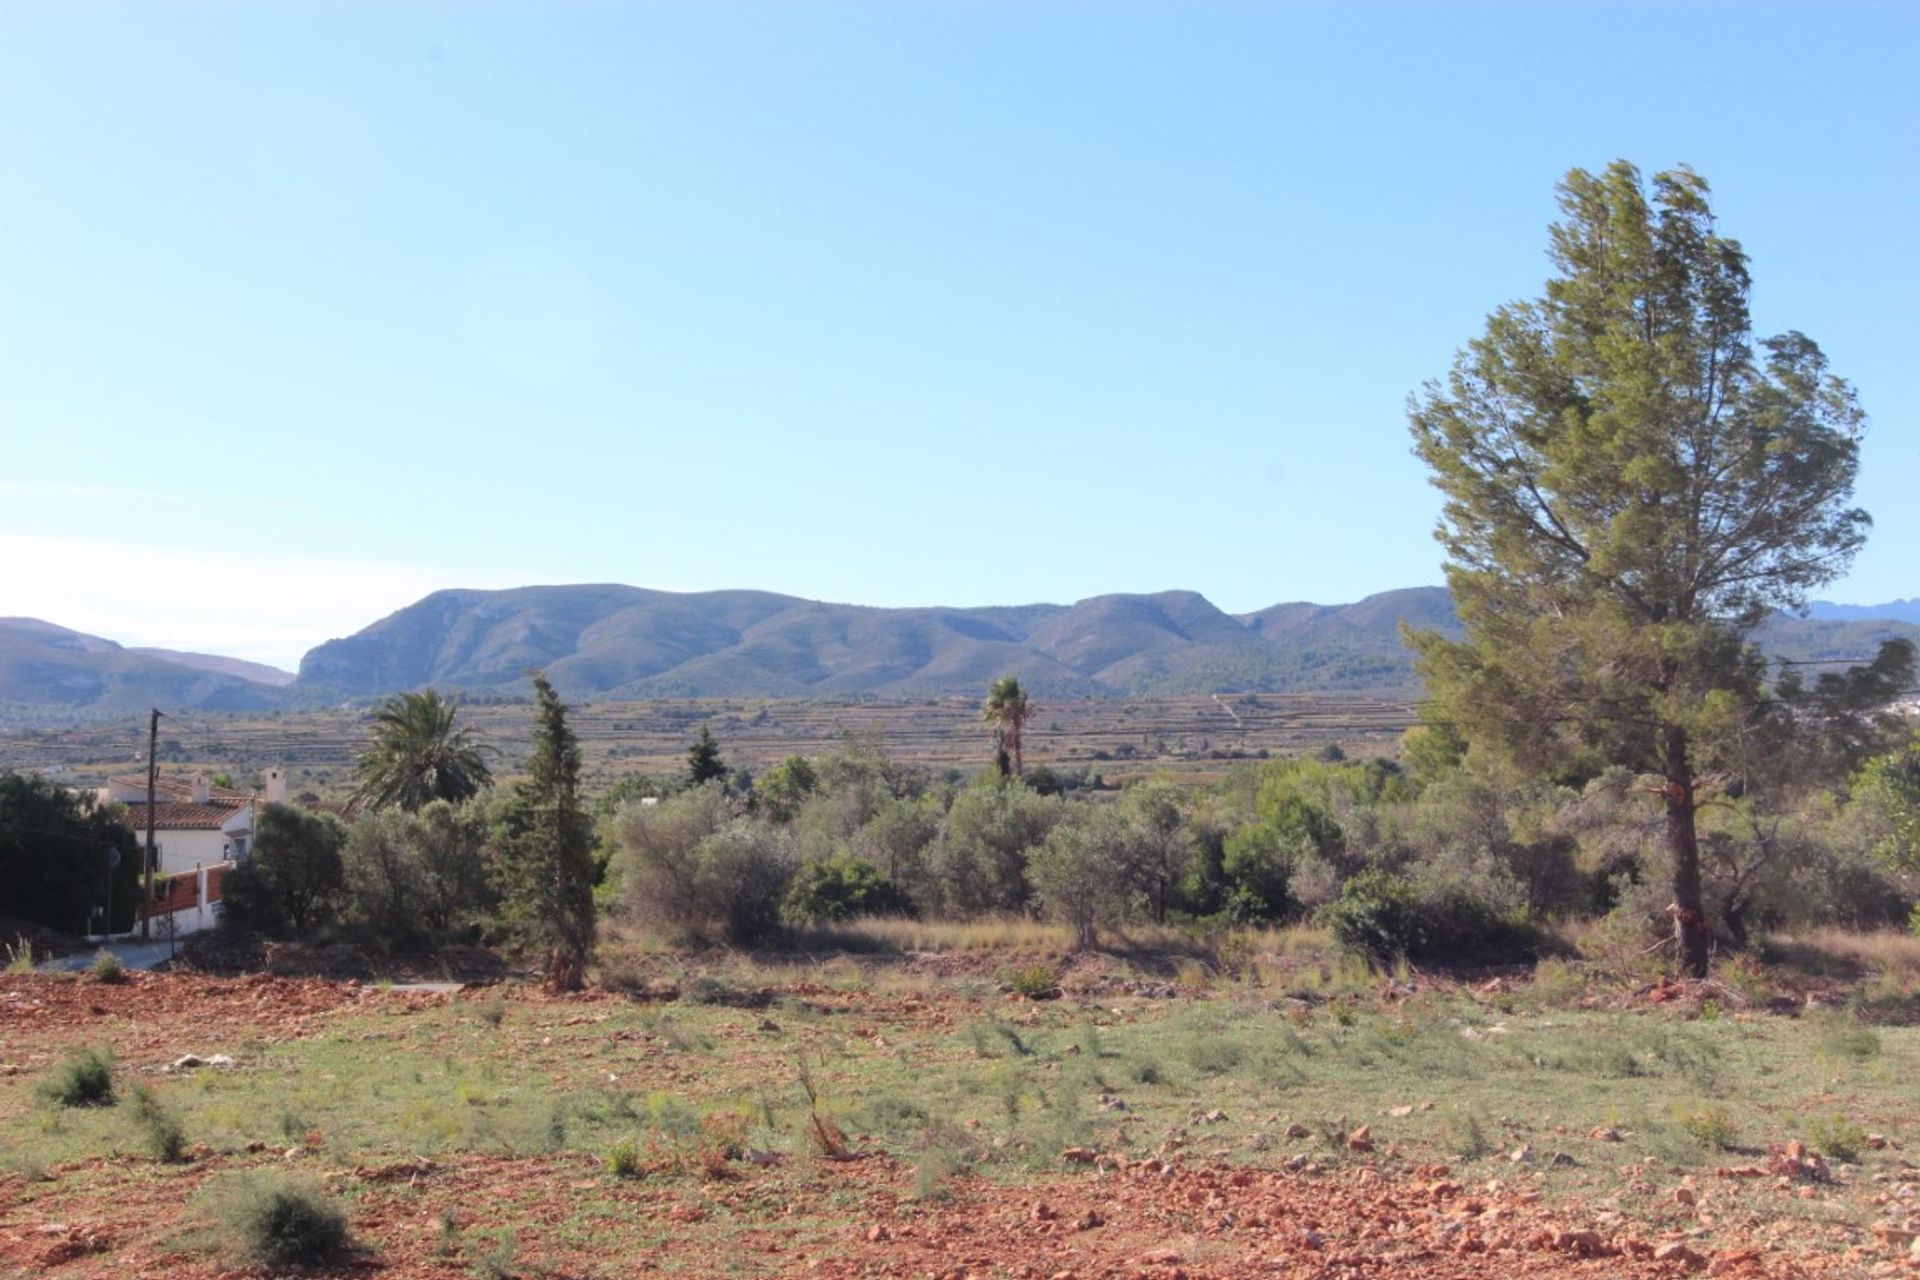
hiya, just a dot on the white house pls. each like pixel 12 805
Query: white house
pixel 195 823
pixel 200 831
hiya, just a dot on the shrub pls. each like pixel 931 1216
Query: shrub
pixel 294 878
pixel 1387 919
pixel 1035 981
pixel 159 1129
pixel 419 874
pixel 626 1161
pixel 1711 1126
pixel 281 1222
pixel 1079 873
pixel 745 870
pixel 1837 1138
pixel 106 967
pixel 1377 916
pixel 83 1080
pixel 978 866
pixel 839 888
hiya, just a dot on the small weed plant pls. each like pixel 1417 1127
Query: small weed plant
pixel 106 967
pixel 1034 981
pixel 626 1161
pixel 1845 1038
pixel 83 1080
pixel 1710 1125
pixel 159 1129
pixel 1836 1138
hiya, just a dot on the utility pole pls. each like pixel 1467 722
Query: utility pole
pixel 153 772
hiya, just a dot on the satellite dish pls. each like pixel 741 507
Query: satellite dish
pixel 113 858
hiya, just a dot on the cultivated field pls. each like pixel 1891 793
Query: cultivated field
pixel 1190 737
pixel 994 1109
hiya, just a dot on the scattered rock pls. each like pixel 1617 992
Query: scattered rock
pixel 1676 1253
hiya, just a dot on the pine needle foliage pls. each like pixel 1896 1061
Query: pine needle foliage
pixel 545 864
pixel 1632 483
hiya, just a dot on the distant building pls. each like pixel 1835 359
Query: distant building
pixel 200 831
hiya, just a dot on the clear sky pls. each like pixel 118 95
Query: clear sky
pixel 306 310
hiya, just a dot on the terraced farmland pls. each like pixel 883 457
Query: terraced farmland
pixel 1190 737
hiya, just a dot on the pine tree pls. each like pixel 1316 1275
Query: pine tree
pixel 703 759
pixel 1630 488
pixel 546 855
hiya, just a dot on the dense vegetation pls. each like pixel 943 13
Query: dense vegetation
pixel 62 858
pixel 1448 854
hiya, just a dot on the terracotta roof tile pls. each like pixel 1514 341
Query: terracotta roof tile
pixel 171 815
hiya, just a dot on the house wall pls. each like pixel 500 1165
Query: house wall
pixel 183 850
pixel 190 902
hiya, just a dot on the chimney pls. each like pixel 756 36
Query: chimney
pixel 276 786
pixel 202 788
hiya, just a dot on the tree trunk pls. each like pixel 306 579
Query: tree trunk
pixel 564 970
pixel 1691 935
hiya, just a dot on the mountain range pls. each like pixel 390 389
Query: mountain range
pixel 613 642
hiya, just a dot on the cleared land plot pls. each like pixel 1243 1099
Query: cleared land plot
pixel 848 1120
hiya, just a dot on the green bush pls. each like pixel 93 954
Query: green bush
pixel 106 967
pixel 1035 981
pixel 626 1161
pixel 839 888
pixel 1377 916
pixel 1386 919
pixel 1836 1138
pixel 281 1221
pixel 83 1080
pixel 1710 1125
pixel 689 870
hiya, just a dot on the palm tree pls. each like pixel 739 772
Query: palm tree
pixel 1007 709
pixel 417 755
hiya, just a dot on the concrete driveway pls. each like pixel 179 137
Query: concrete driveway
pixel 134 955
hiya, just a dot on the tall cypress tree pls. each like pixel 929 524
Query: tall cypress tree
pixel 546 857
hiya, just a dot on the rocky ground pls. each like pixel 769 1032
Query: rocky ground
pixel 844 1205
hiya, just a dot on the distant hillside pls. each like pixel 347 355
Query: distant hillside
pixel 616 642
pixel 240 668
pixel 48 665
pixel 1818 640
pixel 612 643
pixel 625 642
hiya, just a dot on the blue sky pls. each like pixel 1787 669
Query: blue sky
pixel 307 310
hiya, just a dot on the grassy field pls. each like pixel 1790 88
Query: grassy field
pixel 1195 738
pixel 498 1131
